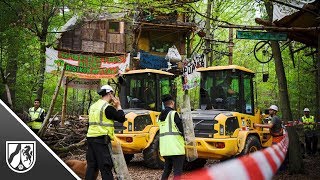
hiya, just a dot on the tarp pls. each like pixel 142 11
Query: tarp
pixel 302 19
pixel 280 11
pixel 86 66
pixel 150 61
pixel 66 27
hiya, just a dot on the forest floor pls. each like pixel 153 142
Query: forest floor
pixel 75 133
pixel 139 172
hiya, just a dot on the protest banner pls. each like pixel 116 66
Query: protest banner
pixel 86 66
pixel 191 78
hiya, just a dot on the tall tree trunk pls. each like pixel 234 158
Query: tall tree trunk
pixel 12 66
pixel 282 82
pixel 43 40
pixel 53 102
pixel 82 104
pixel 295 156
pixel 6 96
pixel 318 80
pixel 208 36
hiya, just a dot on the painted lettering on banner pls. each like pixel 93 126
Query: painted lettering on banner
pixel 86 66
pixel 89 84
pixel 191 78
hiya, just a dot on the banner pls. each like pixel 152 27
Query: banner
pixel 191 78
pixel 86 66
pixel 89 84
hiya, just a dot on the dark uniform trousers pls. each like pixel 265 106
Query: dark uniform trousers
pixel 99 157
pixel 311 139
pixel 173 161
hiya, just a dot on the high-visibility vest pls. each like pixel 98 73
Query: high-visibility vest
pixel 171 140
pixel 99 124
pixel 308 120
pixel 35 114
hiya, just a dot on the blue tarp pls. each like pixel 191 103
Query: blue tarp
pixel 148 60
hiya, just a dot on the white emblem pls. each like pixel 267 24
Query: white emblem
pixel 20 155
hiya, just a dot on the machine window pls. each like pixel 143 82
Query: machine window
pixel 248 98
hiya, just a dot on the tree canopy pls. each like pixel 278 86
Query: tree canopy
pixel 29 27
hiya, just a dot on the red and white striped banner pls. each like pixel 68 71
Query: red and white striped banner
pixel 258 165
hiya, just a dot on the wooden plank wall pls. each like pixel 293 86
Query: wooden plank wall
pixel 93 36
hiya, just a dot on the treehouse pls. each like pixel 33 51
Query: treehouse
pixel 150 33
pixel 102 36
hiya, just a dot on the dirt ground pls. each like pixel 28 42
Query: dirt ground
pixel 312 170
pixel 139 172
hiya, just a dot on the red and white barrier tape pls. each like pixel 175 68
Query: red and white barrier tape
pixel 297 123
pixel 258 165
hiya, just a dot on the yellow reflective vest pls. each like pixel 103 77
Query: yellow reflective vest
pixel 99 124
pixel 34 115
pixel 171 140
pixel 308 120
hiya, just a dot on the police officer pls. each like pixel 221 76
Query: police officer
pixel 310 135
pixel 36 116
pixel 100 132
pixel 172 146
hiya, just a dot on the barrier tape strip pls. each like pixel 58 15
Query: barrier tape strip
pixel 258 165
pixel 299 123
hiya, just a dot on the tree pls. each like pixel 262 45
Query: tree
pixel 10 44
pixel 40 17
pixel 295 158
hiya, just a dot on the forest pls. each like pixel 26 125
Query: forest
pixel 30 27
pixel 224 32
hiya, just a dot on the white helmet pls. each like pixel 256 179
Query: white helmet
pixel 274 107
pixel 106 89
pixel 306 110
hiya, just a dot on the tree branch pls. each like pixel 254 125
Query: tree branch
pixel 214 19
pixel 9 5
pixel 284 29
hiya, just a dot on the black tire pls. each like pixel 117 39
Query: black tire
pixel 128 157
pixel 196 164
pixel 252 145
pixel 151 155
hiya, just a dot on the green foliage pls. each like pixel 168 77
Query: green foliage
pixel 25 22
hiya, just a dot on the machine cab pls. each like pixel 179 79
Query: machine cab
pixel 228 88
pixel 143 89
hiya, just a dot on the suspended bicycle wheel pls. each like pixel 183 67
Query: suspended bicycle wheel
pixel 262 52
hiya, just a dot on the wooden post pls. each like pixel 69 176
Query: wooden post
pixel 230 45
pixel 53 101
pixel 188 47
pixel 90 101
pixel 64 103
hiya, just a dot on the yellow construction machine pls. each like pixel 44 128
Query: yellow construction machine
pixel 140 95
pixel 223 124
